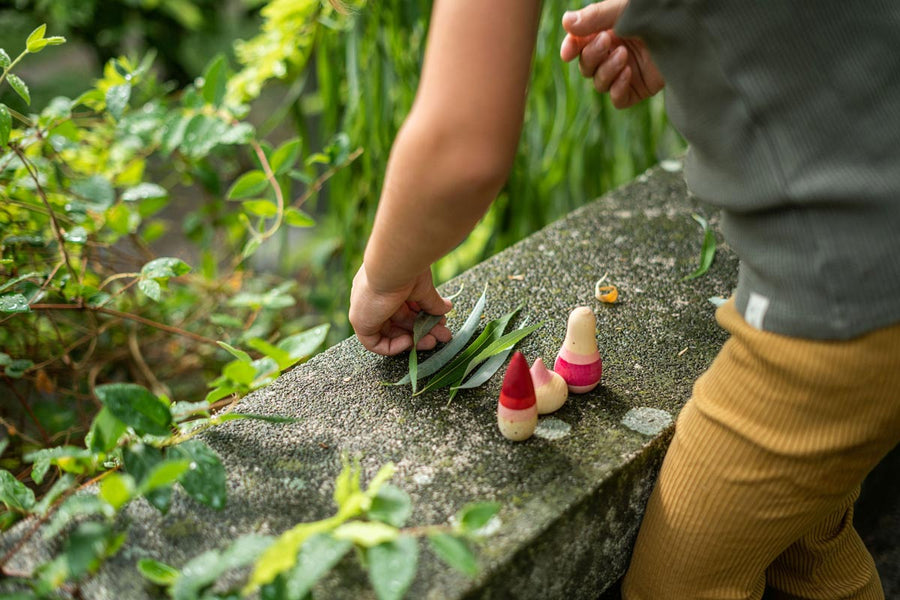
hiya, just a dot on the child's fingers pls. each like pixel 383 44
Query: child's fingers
pixel 593 54
pixel 593 18
pixel 610 70
pixel 572 46
pixel 620 90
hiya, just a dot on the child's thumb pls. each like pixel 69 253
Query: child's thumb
pixel 433 303
pixel 593 18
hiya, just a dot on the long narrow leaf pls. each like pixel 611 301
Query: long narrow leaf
pixel 486 370
pixel 451 374
pixel 423 324
pixel 460 338
pixel 707 250
pixel 504 344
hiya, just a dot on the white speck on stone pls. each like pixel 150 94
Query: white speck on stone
pixel 646 420
pixel 638 367
pixel 552 429
pixel 423 476
pixel 671 165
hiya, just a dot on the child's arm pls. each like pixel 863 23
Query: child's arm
pixel 447 164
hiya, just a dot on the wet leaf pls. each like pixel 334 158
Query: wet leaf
pixel 137 407
pixel 15 494
pixel 204 481
pixel 164 268
pixel 390 505
pixel 5 124
pixel 117 99
pixel 19 86
pixel 392 567
pixel 318 555
pixel 14 303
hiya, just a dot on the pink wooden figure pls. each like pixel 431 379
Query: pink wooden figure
pixel 579 360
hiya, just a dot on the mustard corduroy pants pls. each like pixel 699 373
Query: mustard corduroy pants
pixel 758 485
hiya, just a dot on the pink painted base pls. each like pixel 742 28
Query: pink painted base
pixel 582 373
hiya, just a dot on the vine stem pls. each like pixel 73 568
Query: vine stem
pixel 57 230
pixel 131 317
pixel 279 196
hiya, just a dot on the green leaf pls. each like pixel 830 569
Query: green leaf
pixel 78 505
pixel 163 474
pixel 19 86
pixel 205 480
pixel 144 191
pixel 55 40
pixel 501 344
pixel 89 545
pixel 236 352
pixel 251 183
pixel 5 60
pixel 220 392
pixel 141 461
pixel 707 250
pixel 455 552
pixel 303 344
pixel 282 554
pixel 16 368
pixel 157 572
pixel 453 347
pixel 421 326
pixel 201 134
pixel 232 416
pixel 240 372
pixel 284 158
pixel 117 489
pixel 105 432
pixel 117 99
pixel 366 534
pixel 215 79
pixel 165 267
pixel 35 41
pixel 14 303
pixel 295 217
pixel 392 567
pixel 261 208
pixel 473 517
pixel 14 494
pixel 347 482
pixel 96 191
pixel 282 357
pixel 390 505
pixel 151 289
pixel 318 555
pixel 137 407
pixel 5 124
pixel 59 487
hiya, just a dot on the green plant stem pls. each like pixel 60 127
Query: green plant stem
pixel 11 65
pixel 129 316
pixel 273 181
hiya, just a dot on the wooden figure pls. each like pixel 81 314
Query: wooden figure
pixel 549 388
pixel 517 412
pixel 579 361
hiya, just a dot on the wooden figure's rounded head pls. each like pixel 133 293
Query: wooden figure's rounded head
pixel 581 332
pixel 550 389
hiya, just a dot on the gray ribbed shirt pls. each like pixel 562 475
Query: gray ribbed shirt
pixel 792 112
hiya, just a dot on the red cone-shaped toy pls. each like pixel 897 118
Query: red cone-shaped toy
pixel 517 409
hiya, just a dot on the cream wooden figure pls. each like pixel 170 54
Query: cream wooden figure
pixel 579 360
pixel 550 388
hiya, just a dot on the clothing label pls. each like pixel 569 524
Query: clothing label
pixel 757 305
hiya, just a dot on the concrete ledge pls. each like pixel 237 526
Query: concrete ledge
pixel 571 506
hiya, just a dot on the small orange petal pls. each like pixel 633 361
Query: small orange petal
pixel 607 293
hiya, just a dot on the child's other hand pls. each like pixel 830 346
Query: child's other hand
pixel 383 320
pixel 621 66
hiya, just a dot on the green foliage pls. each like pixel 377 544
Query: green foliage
pixel 707 249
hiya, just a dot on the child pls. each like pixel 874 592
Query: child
pixel 790 110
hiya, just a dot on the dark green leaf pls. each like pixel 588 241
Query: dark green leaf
pixel 251 183
pixel 96 191
pixel 267 418
pixel 105 432
pixel 455 552
pixel 390 505
pixel 205 480
pixel 140 461
pixel 165 267
pixel 88 545
pixel 285 157
pixel 707 250
pixel 117 99
pixel 14 303
pixel 14 494
pixel 392 567
pixel 473 517
pixel 214 81
pixel 157 572
pixel 318 555
pixel 137 407
pixel 448 352
pixel 16 368
pixel 501 344
pixel 5 124
pixel 5 60
pixel 19 86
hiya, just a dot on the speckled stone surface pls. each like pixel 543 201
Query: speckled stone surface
pixel 572 499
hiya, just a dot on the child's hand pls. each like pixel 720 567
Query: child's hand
pixel 621 66
pixel 383 320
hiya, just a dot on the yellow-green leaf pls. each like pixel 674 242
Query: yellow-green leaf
pixel 35 41
pixel 366 534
